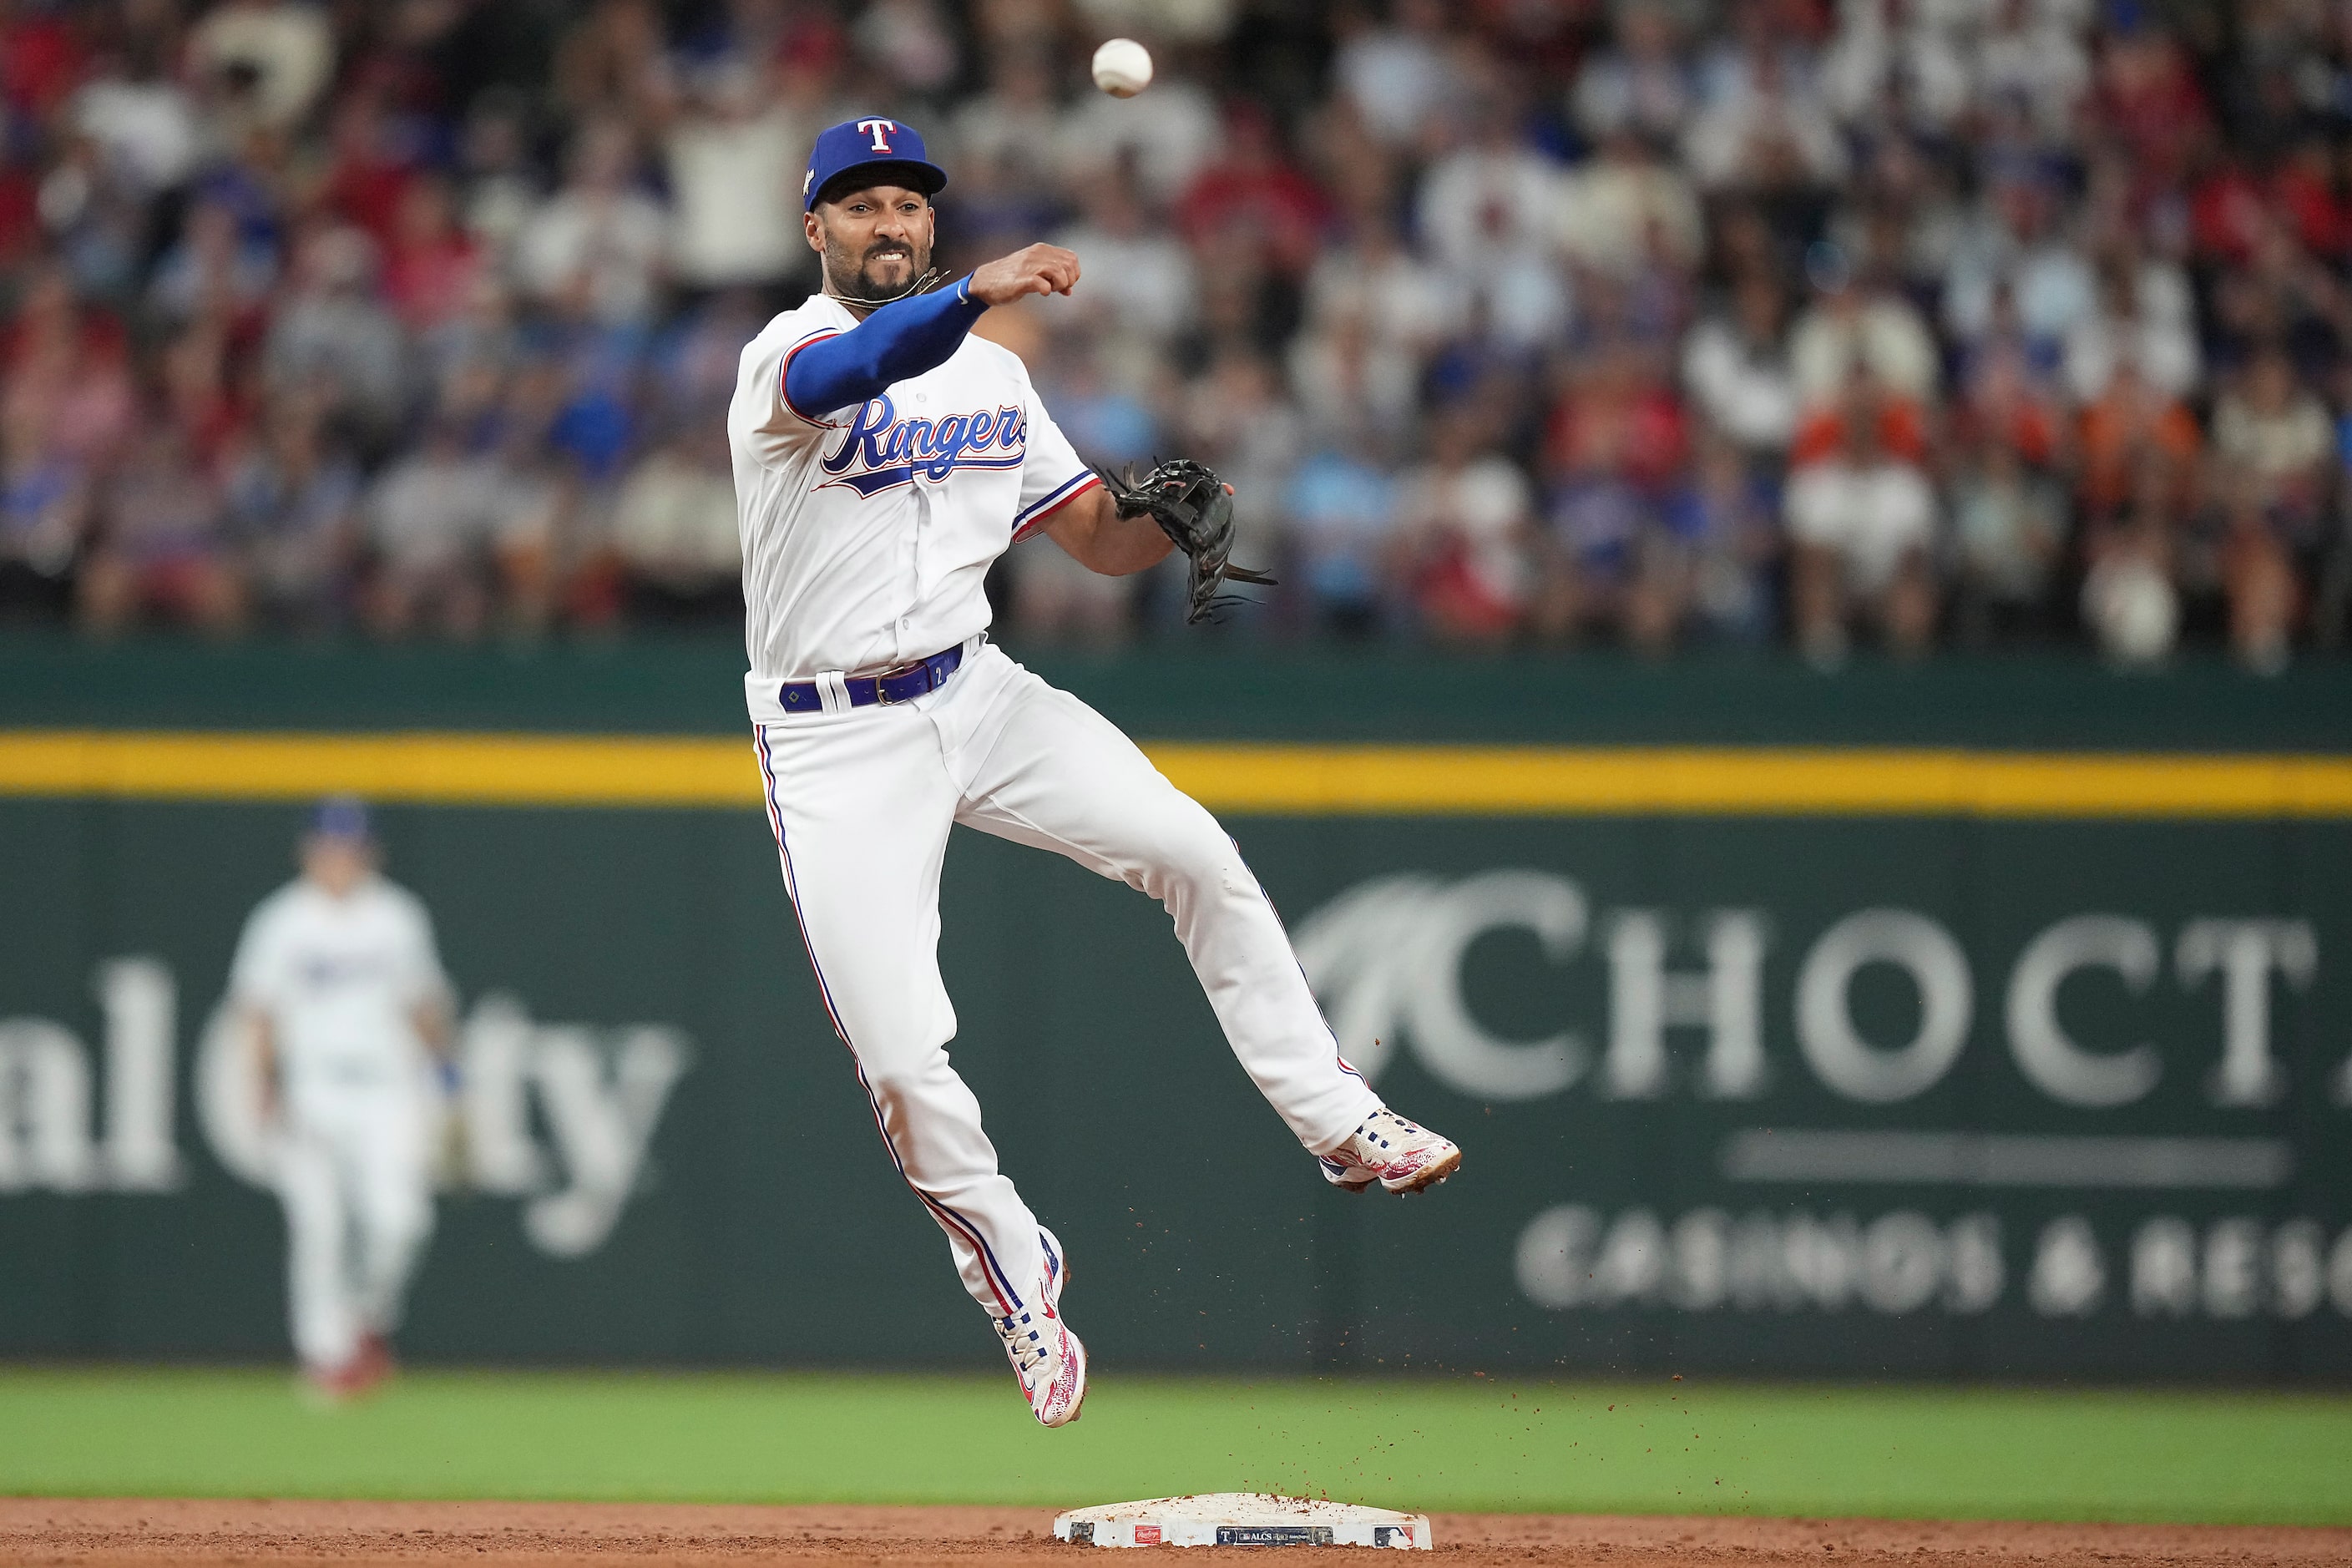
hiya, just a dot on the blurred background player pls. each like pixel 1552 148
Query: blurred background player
pixel 342 994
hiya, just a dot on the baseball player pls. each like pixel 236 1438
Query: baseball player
pixel 884 457
pixel 342 991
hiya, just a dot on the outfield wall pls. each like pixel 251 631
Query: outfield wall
pixel 1964 1021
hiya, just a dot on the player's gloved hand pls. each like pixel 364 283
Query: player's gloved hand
pixel 1195 510
pixel 1034 270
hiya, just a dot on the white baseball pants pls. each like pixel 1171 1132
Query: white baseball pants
pixel 354 1172
pixel 861 802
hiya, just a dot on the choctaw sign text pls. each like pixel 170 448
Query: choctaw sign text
pixel 1796 1228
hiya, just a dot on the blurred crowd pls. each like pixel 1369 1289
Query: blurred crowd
pixel 1901 322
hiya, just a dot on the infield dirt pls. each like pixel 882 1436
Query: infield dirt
pixel 147 1532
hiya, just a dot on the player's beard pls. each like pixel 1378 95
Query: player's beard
pixel 848 276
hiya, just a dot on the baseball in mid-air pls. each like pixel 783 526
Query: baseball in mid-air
pixel 1122 68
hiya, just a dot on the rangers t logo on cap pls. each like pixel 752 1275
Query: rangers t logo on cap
pixel 883 150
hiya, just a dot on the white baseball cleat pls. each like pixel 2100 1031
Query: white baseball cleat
pixel 1392 1152
pixel 1047 1359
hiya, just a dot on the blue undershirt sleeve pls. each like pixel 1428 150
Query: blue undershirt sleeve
pixel 904 338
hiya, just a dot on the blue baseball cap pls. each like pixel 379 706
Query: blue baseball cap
pixel 878 145
pixel 342 817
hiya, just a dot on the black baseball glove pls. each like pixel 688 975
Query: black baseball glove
pixel 1191 507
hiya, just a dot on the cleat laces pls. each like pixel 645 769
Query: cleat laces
pixel 1024 1342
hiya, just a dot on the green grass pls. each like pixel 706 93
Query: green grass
pixel 1649 1447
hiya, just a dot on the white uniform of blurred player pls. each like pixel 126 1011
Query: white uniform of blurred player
pixel 339 983
pixel 884 457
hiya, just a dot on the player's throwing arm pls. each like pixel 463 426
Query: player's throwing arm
pixel 884 457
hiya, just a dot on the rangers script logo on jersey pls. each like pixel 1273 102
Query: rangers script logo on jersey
pixel 878 449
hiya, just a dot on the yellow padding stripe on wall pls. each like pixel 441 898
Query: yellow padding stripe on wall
pixel 417 766
pixel 1776 780
pixel 1292 780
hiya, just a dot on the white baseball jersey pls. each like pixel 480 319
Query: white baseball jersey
pixel 867 530
pixel 340 978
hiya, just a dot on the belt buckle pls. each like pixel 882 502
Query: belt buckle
pixel 882 698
